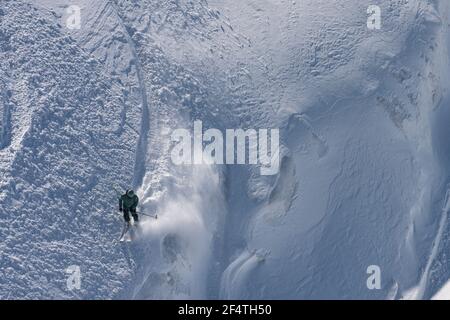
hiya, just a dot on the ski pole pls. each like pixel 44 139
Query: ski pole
pixel 148 215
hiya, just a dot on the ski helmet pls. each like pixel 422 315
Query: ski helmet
pixel 130 193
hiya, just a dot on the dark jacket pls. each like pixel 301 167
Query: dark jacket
pixel 128 203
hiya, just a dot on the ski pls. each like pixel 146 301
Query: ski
pixel 125 229
pixel 129 232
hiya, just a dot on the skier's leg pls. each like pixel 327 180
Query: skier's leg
pixel 135 215
pixel 126 215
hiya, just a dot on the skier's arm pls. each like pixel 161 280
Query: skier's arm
pixel 120 204
pixel 135 204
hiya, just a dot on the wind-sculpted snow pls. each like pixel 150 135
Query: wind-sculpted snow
pixel 363 117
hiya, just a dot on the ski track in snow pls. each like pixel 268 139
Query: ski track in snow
pixel 364 169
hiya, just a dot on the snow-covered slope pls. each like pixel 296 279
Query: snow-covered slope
pixel 363 116
pixel 68 123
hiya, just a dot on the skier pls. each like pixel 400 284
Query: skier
pixel 128 204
